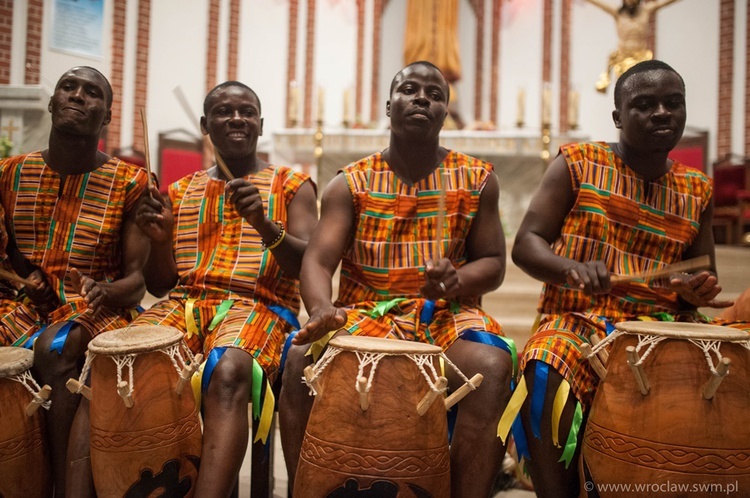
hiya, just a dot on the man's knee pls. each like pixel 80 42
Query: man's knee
pixel 231 376
pixel 53 354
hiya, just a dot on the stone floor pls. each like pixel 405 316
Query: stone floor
pixel 514 306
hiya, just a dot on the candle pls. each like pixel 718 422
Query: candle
pixel 573 99
pixel 293 102
pixel 321 103
pixel 521 107
pixel 546 105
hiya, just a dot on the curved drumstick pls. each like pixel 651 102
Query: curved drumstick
pixel 9 275
pixel 146 150
pixel 462 391
pixel 699 263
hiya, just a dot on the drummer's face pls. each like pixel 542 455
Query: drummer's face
pixel 233 122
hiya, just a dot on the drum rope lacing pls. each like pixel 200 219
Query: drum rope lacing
pixel 174 352
pixel 25 379
pixel 708 346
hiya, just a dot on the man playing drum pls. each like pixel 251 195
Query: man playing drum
pixel 419 235
pixel 229 251
pixel 70 211
pixel 603 209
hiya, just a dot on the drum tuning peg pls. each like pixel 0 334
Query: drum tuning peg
pixel 722 370
pixel 188 372
pixel 312 381
pixel 122 390
pixel 594 361
pixel 364 401
pixel 640 375
pixel 431 395
pixel 462 391
pixel 39 399
pixel 76 387
pixel 602 353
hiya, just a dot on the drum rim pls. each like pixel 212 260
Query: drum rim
pixel 17 360
pixel 683 330
pixel 163 337
pixel 382 345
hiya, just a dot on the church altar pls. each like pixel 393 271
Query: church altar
pixel 516 155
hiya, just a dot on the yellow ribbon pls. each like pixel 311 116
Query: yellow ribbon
pixel 192 327
pixel 557 408
pixel 195 383
pixel 511 411
pixel 317 347
pixel 266 416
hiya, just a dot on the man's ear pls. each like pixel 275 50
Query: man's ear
pixel 388 108
pixel 49 106
pixel 261 128
pixel 108 117
pixel 616 119
pixel 204 130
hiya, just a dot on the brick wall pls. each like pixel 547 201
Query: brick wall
pixel 377 33
pixel 546 45
pixel 497 12
pixel 479 69
pixel 360 65
pixel 6 39
pixel 119 19
pixel 234 39
pixel 726 76
pixel 565 20
pixel 140 99
pixel 32 74
pixel 309 63
pixel 291 57
pixel 747 83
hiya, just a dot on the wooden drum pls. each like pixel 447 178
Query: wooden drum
pixel 375 426
pixel 145 430
pixel 669 414
pixel 24 454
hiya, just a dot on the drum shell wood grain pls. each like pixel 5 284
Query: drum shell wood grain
pixel 672 436
pixel 24 452
pixel 159 438
pixel 388 446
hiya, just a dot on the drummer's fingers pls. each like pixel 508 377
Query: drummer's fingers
pixel 720 304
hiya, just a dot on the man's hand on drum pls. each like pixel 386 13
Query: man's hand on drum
pixel 90 290
pixel 42 295
pixel 700 289
pixel 320 323
pixel 246 200
pixel 592 277
pixel 154 216
pixel 441 281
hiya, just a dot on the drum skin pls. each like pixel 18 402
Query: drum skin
pixel 24 453
pixel 154 445
pixel 672 436
pixel 387 450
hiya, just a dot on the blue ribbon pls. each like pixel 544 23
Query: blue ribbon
pixel 608 326
pixel 285 350
pixel 60 337
pixel 537 397
pixel 452 417
pixel 213 358
pixel 428 310
pixel 504 343
pixel 519 436
pixel 285 314
pixel 29 344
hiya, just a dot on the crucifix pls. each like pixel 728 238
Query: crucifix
pixel 9 128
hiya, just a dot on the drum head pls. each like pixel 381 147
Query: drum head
pixel 378 345
pixel 682 330
pixel 14 361
pixel 137 339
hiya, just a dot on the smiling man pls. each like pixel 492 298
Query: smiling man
pixel 69 211
pixel 605 209
pixel 229 252
pixel 407 276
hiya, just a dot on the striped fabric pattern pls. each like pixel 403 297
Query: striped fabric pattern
pixel 72 224
pixel 396 234
pixel 219 257
pixel 630 224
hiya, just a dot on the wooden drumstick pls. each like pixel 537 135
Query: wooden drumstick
pixel 187 373
pixel 43 395
pixel 122 390
pixel 640 375
pixel 699 263
pixel 594 361
pixel 146 150
pixel 186 107
pixel 431 395
pixel 76 387
pixel 722 370
pixel 309 376
pixel 9 275
pixel 462 391
pixel 222 165
pixel 364 401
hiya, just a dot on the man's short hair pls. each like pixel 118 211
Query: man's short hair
pixel 429 64
pixel 642 67
pixel 227 84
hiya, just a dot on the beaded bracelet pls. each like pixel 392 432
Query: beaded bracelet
pixel 277 240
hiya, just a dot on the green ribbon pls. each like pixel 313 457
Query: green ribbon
pixel 572 442
pixel 384 307
pixel 224 308
pixel 257 387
